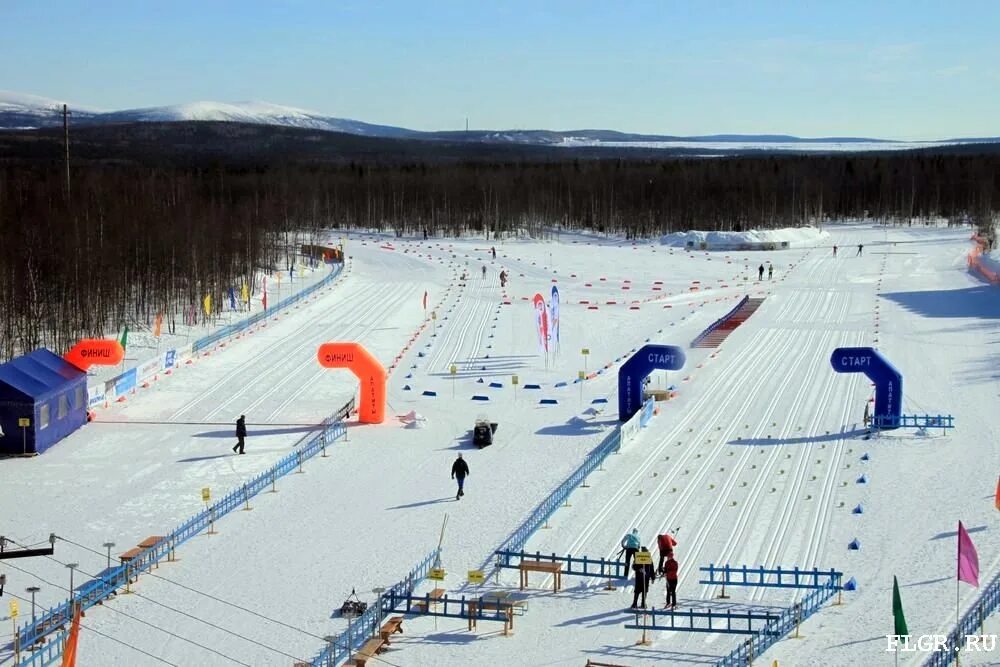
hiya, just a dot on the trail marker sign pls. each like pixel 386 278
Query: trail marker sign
pixel 436 574
pixel 643 558
pixel 476 577
pixel 24 422
pixel 206 494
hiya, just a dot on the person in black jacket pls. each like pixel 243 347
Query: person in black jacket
pixel 644 576
pixel 241 434
pixel 459 471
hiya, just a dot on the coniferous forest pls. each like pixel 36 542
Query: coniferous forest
pixel 130 240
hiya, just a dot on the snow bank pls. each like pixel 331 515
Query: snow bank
pixel 764 239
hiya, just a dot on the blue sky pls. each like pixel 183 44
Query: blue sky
pixel 907 70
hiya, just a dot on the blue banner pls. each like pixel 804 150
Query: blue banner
pixel 125 382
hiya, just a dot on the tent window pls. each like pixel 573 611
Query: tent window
pixel 78 404
pixel 63 406
pixel 43 416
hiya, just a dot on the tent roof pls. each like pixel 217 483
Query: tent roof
pixel 39 374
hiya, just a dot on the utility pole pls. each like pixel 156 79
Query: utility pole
pixel 65 115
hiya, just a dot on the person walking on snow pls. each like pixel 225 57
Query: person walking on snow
pixel 770 271
pixel 494 251
pixel 630 544
pixel 484 272
pixel 670 573
pixel 860 248
pixel 760 272
pixel 459 471
pixel 503 278
pixel 644 576
pixel 665 543
pixel 241 434
pixel 834 251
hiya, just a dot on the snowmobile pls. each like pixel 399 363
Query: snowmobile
pixel 482 432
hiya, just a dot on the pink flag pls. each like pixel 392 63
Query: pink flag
pixel 968 559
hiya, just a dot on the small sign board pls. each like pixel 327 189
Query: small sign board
pixel 434 315
pixel 643 558
pixel 582 375
pixel 453 369
pixel 437 574
pixel 513 380
pixel 585 351
pixel 476 577
pixel 13 609
pixel 206 494
pixel 24 422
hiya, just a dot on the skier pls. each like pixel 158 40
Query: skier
pixel 644 576
pixel 665 543
pixel 760 272
pixel 241 434
pixel 503 278
pixel 770 271
pixel 860 248
pixel 670 573
pixel 867 417
pixel 494 251
pixel 630 544
pixel 459 471
pixel 834 251
pixel 484 272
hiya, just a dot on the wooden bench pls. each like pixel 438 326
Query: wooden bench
pixel 151 542
pixel 391 627
pixel 372 648
pixel 434 595
pixel 548 567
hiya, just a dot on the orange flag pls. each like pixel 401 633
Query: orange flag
pixel 998 494
pixel 159 323
pixel 69 651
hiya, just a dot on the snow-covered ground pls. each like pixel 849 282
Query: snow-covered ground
pixel 756 460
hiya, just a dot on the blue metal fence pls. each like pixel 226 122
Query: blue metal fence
pixel 574 565
pixel 971 624
pixel 366 626
pixel 943 422
pixel 727 575
pixel 789 618
pixel 545 509
pixel 229 331
pixel 91 592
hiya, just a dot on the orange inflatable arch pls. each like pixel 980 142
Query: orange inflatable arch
pixel 95 352
pixel 358 360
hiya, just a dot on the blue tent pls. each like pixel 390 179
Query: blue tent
pixel 47 391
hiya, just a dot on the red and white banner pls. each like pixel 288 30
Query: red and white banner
pixel 541 322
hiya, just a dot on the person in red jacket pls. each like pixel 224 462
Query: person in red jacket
pixel 665 543
pixel 670 574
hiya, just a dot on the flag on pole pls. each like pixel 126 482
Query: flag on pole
pixel 539 303
pixel 968 559
pixel 245 294
pixel 263 299
pixel 206 303
pixel 124 340
pixel 69 650
pixel 158 325
pixel 898 620
pixel 425 299
pixel 998 495
pixel 232 298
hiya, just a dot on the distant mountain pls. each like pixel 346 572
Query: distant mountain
pixel 23 111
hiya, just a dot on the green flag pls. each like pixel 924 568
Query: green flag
pixel 124 340
pixel 899 621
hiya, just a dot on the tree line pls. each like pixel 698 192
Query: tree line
pixel 130 241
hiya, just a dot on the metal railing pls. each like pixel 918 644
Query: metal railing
pixel 719 322
pixel 228 331
pixel 360 630
pixel 34 633
pixel 970 624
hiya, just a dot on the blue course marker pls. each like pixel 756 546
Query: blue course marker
pixel 599 400
pixel 548 401
pixel 532 386
pixel 428 392
pixel 560 384
pixel 406 387
pixel 478 397
pixel 496 385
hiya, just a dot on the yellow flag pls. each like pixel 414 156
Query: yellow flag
pixel 207 304
pixel 245 293
pixel 159 323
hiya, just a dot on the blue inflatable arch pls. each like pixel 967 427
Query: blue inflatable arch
pixel 648 359
pixel 888 381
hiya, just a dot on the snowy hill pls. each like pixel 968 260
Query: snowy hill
pixel 20 111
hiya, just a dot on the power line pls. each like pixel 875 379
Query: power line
pixel 114 639
pixel 139 620
pixel 207 595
